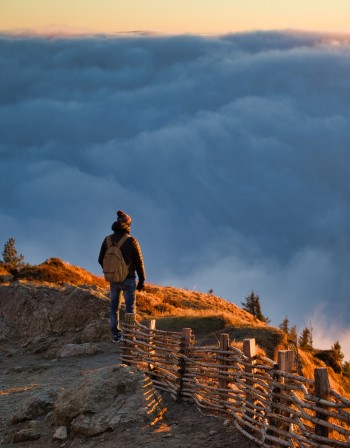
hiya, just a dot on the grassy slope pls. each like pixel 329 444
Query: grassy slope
pixel 175 308
pixel 207 315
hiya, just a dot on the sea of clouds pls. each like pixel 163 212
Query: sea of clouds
pixel 230 153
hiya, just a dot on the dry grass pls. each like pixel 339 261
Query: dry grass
pixel 3 270
pixel 337 381
pixel 56 271
pixel 165 300
pixel 176 308
pixel 207 315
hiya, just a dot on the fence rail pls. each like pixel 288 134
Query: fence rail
pixel 265 401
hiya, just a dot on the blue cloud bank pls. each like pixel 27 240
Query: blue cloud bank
pixel 231 154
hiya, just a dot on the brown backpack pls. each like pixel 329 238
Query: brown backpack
pixel 114 267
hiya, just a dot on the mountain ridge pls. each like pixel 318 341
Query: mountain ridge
pixel 173 308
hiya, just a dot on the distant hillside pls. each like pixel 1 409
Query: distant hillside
pixel 175 308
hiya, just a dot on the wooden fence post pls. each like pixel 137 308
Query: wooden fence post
pixel 223 381
pixel 130 319
pixel 285 364
pixel 285 361
pixel 274 402
pixel 184 350
pixel 249 351
pixel 186 339
pixel 322 389
pixel 151 351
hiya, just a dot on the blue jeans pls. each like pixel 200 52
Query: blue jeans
pixel 128 287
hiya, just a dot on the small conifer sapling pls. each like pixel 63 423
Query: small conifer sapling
pixel 252 305
pixel 10 256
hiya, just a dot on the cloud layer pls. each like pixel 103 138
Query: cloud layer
pixel 230 153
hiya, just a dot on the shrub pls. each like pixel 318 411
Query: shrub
pixel 329 357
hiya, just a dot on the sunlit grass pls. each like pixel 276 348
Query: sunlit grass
pixel 55 270
pixel 3 270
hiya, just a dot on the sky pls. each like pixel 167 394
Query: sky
pixel 167 16
pixel 229 151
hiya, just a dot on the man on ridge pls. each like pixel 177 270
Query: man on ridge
pixel 131 253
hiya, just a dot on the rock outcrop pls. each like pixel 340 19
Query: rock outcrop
pixel 97 330
pixel 69 350
pixel 34 407
pixel 7 331
pixel 106 399
pixel 36 310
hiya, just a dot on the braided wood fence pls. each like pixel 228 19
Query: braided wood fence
pixel 265 400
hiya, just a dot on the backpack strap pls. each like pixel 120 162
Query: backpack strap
pixel 109 241
pixel 122 240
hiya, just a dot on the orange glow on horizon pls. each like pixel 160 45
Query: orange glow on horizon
pixel 167 17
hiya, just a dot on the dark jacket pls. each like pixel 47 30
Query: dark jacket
pixel 130 249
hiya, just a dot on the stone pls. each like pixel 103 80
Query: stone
pixel 40 367
pixel 86 349
pixel 7 331
pixel 107 398
pixel 61 433
pixel 25 435
pixel 227 422
pixel 40 344
pixel 96 330
pixel 34 407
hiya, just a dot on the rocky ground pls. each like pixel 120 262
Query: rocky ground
pixel 62 383
pixel 34 404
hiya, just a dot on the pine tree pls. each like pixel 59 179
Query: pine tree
pixel 284 326
pixel 249 304
pixel 293 335
pixel 305 340
pixel 252 305
pixel 311 341
pixel 346 369
pixel 10 256
pixel 339 356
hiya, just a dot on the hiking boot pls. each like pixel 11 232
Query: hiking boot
pixel 117 338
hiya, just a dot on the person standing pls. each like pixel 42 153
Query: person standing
pixel 132 255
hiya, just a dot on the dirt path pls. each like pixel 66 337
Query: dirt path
pixel 24 375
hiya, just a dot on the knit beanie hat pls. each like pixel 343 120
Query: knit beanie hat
pixel 123 218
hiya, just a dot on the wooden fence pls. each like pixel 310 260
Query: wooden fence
pixel 265 400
